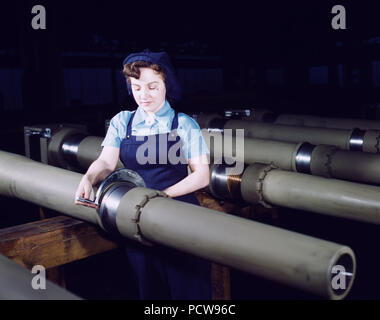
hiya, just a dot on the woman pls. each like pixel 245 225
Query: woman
pixel 161 273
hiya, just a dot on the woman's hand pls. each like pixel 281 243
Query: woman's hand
pixel 84 191
pixel 197 179
pixel 97 171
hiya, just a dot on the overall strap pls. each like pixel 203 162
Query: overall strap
pixel 129 127
pixel 175 121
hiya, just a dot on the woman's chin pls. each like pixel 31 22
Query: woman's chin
pixel 149 107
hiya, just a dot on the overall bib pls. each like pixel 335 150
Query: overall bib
pixel 161 272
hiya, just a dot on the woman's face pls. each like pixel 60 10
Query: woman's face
pixel 149 90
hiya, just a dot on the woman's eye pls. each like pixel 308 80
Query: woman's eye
pixel 152 88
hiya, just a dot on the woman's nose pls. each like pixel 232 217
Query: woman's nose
pixel 144 93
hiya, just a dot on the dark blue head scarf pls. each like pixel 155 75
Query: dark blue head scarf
pixel 173 87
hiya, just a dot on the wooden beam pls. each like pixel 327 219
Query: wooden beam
pixel 53 242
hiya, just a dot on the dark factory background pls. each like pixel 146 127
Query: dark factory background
pixel 281 56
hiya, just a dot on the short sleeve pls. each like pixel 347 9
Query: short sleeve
pixel 116 130
pixel 194 144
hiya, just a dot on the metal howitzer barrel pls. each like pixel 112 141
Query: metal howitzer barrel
pixel 268 185
pixel 302 158
pixel 268 116
pixel 339 123
pixel 150 217
pixel 70 149
pixel 346 139
pixel 319 160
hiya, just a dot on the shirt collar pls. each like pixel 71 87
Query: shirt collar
pixel 163 115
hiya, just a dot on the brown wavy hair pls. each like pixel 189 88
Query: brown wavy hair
pixel 133 70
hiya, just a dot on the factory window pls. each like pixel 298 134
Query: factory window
pixel 88 86
pixel 200 79
pixel 319 75
pixel 376 73
pixel 374 41
pixel 10 89
pixel 355 76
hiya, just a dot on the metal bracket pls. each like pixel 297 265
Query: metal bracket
pixel 137 217
pixel 260 181
pixel 119 175
pixel 357 139
pixel 377 145
pixel 110 192
pixel 303 157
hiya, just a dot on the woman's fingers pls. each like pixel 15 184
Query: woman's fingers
pixel 87 192
pixel 83 193
pixel 86 203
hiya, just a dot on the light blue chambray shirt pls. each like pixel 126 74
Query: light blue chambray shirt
pixel 188 130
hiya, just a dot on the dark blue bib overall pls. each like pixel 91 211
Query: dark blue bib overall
pixel 160 272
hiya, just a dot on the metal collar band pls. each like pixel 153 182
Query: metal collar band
pixel 110 192
pixel 119 175
pixel 70 149
pixel 218 181
pixel 225 186
pixel 357 139
pixel 303 157
pixel 110 204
